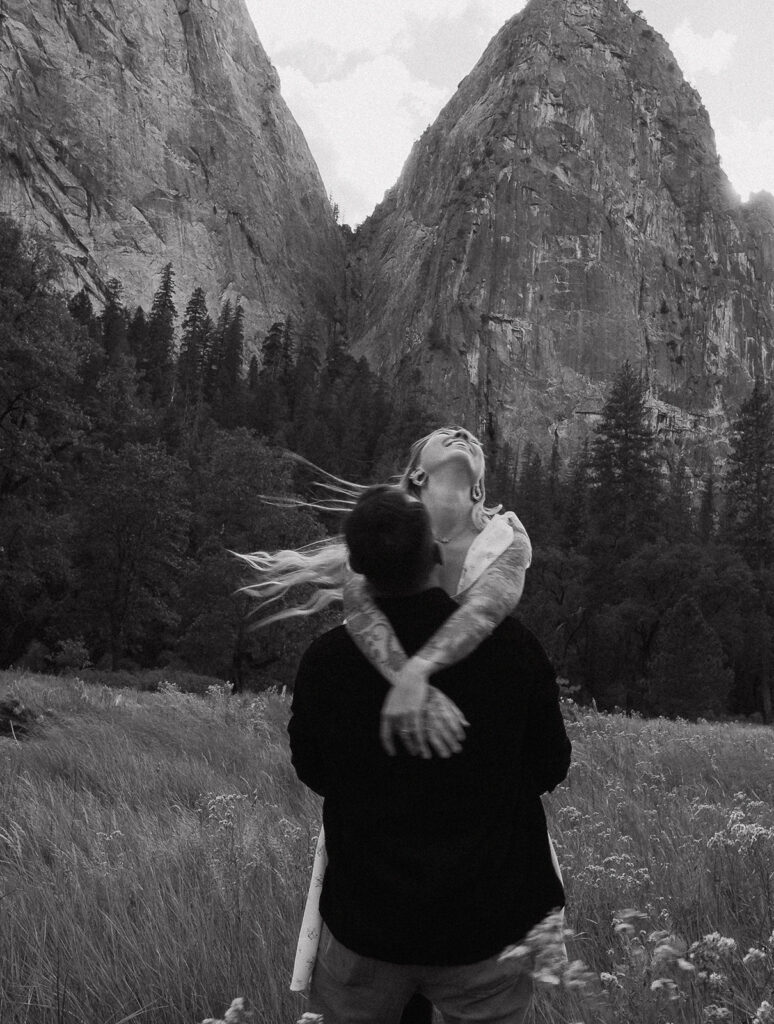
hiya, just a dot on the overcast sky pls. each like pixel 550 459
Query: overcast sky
pixel 365 78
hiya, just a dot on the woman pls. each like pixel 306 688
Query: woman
pixel 485 556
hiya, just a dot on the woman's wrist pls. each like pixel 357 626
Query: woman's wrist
pixel 419 667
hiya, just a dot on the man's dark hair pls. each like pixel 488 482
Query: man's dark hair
pixel 390 540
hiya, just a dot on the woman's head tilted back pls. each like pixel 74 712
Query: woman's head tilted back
pixel 390 540
pixel 323 564
pixel 457 442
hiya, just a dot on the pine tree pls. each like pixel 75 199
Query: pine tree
pixel 533 495
pixel 224 389
pixel 554 483
pixel 707 512
pixel 114 323
pixel 575 514
pixel 678 508
pixel 625 491
pixel 233 348
pixel 303 396
pixel 82 311
pixel 359 429
pixel 750 485
pixel 750 511
pixel 252 375
pixel 196 337
pixel 502 477
pixel 157 364
pixel 273 355
pixel 269 412
pixel 137 335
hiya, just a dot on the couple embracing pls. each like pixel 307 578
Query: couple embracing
pixel 435 854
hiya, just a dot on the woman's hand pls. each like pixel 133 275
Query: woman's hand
pixel 421 715
pixel 444 723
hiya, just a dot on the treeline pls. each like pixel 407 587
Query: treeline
pixel 135 448
pixel 652 593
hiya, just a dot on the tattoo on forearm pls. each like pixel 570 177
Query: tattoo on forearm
pixel 371 631
pixel 494 595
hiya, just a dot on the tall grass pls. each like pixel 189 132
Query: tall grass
pixel 155 848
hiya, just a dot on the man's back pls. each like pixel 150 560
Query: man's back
pixel 433 861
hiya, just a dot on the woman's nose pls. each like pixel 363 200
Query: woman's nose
pixel 464 434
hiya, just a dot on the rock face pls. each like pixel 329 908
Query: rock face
pixel 567 211
pixel 136 133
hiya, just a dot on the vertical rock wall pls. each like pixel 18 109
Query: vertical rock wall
pixel 567 211
pixel 135 133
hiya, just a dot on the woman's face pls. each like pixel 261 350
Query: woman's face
pixel 453 444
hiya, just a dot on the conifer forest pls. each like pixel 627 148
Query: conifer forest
pixel 136 447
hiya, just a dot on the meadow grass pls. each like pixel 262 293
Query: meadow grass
pixel 155 850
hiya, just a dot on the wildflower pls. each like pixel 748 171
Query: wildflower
pixel 609 980
pixel 622 924
pixel 714 1014
pixel 237 1013
pixel 668 948
pixel 726 946
pixel 753 956
pixel 666 985
pixel 310 1018
pixel 764 1014
pixel 546 976
pixel 544 951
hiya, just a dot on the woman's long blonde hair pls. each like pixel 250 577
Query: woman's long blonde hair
pixel 323 564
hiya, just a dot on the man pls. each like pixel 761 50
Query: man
pixel 434 866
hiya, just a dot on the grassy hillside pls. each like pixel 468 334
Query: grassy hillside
pixel 154 855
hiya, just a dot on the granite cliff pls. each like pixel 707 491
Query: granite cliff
pixel 134 134
pixel 566 211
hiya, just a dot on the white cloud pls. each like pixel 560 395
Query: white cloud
pixel 374 114
pixel 747 154
pixel 697 53
pixel 346 26
pixel 364 78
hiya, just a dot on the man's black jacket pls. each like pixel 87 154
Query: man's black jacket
pixel 442 861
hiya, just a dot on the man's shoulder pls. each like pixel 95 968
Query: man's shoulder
pixel 513 631
pixel 333 642
pixel 515 644
pixel 330 658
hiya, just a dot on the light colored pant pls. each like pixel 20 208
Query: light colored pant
pixel 351 989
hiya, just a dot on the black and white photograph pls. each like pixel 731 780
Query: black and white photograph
pixel 386 512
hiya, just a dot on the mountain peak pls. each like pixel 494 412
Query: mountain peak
pixel 566 211
pixel 143 133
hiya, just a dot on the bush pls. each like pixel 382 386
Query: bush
pixel 71 653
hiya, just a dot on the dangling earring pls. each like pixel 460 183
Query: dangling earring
pixel 476 492
pixel 418 477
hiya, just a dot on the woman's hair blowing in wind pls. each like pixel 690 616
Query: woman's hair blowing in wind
pixel 323 564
